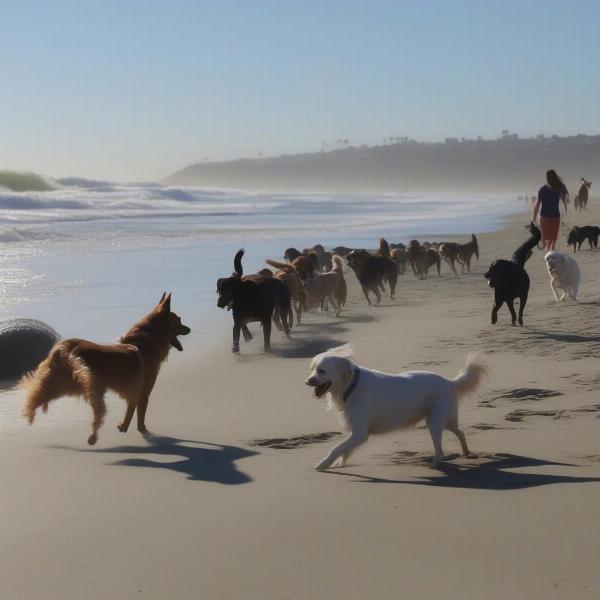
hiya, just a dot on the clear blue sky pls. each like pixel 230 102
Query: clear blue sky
pixel 132 90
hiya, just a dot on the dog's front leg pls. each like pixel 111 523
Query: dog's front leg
pixel 267 334
pixel 343 448
pixel 141 413
pixel 124 425
pixel 553 288
pixel 236 336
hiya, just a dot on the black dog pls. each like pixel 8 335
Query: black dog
pixel 509 278
pixel 370 270
pixel 578 235
pixel 254 298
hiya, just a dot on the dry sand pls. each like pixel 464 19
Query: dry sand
pixel 202 511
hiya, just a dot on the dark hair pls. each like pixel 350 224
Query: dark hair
pixel 556 183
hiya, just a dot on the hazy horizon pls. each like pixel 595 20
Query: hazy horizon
pixel 136 91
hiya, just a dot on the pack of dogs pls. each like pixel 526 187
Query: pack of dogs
pixel 369 402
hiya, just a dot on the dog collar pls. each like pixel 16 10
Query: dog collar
pixel 350 388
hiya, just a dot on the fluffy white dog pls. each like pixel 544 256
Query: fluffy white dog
pixel 564 275
pixel 372 402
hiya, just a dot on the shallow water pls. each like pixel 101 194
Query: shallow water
pixel 92 258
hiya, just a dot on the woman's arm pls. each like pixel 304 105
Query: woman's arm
pixel 564 201
pixel 536 210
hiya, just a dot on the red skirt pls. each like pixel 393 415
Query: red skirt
pixel 549 227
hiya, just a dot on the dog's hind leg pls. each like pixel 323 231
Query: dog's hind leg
pixel 522 303
pixel 347 446
pixel 452 426
pixel 267 334
pixel 511 307
pixel 366 293
pixel 246 333
pixel 436 429
pixel 393 281
pixel 141 413
pixel 95 396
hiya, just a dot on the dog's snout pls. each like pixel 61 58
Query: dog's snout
pixel 310 381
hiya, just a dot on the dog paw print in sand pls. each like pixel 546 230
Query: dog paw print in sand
pixel 583 382
pixel 295 442
pixel 519 395
pixel 487 426
pixel 522 413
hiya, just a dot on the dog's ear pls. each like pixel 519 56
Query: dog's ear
pixel 165 302
pixel 346 371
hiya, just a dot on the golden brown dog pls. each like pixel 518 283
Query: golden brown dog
pixel 450 252
pixel 290 277
pixel 78 367
pixel 321 287
pixel 421 259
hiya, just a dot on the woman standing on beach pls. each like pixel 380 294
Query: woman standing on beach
pixel 548 199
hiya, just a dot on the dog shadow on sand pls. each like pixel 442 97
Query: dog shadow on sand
pixel 198 461
pixel 483 472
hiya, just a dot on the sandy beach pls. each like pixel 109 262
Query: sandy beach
pixel 223 500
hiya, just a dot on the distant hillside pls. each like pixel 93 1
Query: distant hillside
pixel 24 182
pixel 507 164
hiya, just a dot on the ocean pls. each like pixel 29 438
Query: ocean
pixel 92 257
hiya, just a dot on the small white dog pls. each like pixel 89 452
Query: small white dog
pixel 372 402
pixel 564 275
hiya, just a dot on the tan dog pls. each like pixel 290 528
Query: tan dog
pixel 330 286
pixel 290 277
pixel 581 200
pixel 450 252
pixel 421 259
pixel 321 287
pixel 77 367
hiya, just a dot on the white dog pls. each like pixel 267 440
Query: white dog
pixel 564 275
pixel 372 402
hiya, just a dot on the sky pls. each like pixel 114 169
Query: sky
pixel 133 90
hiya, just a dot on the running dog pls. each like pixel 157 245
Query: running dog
pixel 564 275
pixel 254 298
pixel 581 199
pixel 509 278
pixel 330 286
pixel 421 259
pixel 450 252
pixel 298 294
pixel 467 251
pixel 371 402
pixel 578 235
pixel 78 367
pixel 371 270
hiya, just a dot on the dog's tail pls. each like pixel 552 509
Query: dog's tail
pixel 475 245
pixel 337 264
pixel 57 375
pixel 470 377
pixel 237 263
pixel 279 265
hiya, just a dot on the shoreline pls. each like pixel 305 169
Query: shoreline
pixel 214 505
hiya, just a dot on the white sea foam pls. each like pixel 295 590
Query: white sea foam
pixel 168 212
